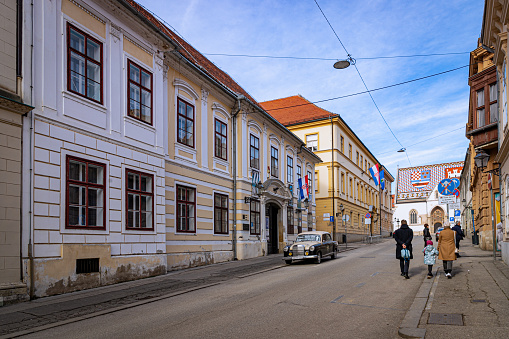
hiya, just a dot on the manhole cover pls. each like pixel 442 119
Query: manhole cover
pixel 479 301
pixel 446 319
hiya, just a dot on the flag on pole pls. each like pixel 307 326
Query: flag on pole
pixel 374 173
pixel 302 189
pixel 382 180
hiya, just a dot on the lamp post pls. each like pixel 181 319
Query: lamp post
pixel 481 161
pixel 342 209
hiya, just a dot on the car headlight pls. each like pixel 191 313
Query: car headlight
pixel 286 249
pixel 311 248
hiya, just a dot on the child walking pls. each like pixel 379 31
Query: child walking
pixel 430 256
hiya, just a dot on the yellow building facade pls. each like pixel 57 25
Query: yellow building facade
pixel 343 185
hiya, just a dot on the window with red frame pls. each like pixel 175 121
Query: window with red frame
pixel 140 200
pixel 185 123
pixel 84 63
pixel 186 209
pixel 85 194
pixel 220 213
pixel 139 93
pixel 289 218
pixel 220 139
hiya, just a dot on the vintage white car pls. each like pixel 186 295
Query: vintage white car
pixel 311 245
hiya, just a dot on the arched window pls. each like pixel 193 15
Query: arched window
pixel 413 217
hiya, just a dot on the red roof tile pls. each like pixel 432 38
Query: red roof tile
pixel 193 55
pixel 294 109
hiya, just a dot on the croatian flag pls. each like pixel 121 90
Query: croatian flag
pixel 374 173
pixel 303 189
pixel 382 180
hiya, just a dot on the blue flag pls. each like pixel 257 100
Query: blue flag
pixel 382 180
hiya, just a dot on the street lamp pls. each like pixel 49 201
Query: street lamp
pixel 481 160
pixel 342 64
pixel 342 209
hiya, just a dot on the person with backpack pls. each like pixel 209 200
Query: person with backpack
pixel 426 233
pixel 403 237
pixel 459 236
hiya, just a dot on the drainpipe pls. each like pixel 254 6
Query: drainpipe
pixel 30 181
pixel 234 170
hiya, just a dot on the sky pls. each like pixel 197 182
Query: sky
pixel 435 108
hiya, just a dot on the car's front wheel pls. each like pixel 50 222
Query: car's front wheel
pixel 288 262
pixel 318 259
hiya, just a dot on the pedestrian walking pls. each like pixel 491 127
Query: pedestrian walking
pixel 430 256
pixel 403 237
pixel 459 236
pixel 426 233
pixel 446 249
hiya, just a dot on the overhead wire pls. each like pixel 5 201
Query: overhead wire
pixel 420 142
pixel 332 59
pixel 367 89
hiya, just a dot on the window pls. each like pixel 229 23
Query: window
pixel 365 165
pixel 342 145
pixel 220 140
pixel 254 152
pixel 413 217
pixel 342 182
pixel 362 160
pixel 299 172
pixel 310 183
pixel 357 158
pixel 310 222
pixel 289 217
pixel 351 188
pixel 289 169
pixel 86 194
pixel 350 151
pixel 255 217
pixel 140 200
pixel 299 221
pixel 480 108
pixel 140 93
pixel 186 209
pixel 220 213
pixel 316 182
pixel 493 103
pixel 274 161
pixel 185 123
pixel 312 142
pixel 84 63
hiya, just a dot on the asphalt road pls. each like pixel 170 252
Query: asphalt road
pixel 359 295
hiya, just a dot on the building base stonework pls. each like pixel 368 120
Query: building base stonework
pixel 59 275
pixel 11 293
pixel 178 261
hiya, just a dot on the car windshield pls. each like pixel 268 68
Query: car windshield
pixel 308 237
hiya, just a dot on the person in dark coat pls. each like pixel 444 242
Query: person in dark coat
pixel 459 236
pixel 403 237
pixel 426 233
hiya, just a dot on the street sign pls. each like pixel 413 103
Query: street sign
pixel 367 221
pixel 456 182
pixel 447 199
pixel 456 192
pixel 367 216
pixel 457 213
pixel 331 218
pixel 446 187
pixel 455 206
pixel 346 217
pixel 326 216
pixel 451 218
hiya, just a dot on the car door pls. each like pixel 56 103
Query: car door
pixel 327 244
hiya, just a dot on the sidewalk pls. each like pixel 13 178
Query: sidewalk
pixel 24 318
pixel 473 304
